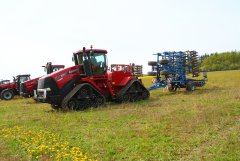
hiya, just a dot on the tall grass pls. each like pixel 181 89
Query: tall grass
pixel 199 125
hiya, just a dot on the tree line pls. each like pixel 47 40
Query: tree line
pixel 220 61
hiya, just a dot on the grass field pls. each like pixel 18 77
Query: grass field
pixel 199 125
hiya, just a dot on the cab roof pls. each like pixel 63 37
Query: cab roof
pixel 94 50
pixel 22 75
pixel 58 66
pixel 4 80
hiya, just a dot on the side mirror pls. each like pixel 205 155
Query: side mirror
pixel 72 58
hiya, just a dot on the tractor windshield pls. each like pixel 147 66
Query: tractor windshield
pixel 23 78
pixel 98 61
pixel 94 62
pixel 57 68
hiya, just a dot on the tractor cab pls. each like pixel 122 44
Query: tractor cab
pixel 49 68
pixel 4 82
pixel 94 61
pixel 20 79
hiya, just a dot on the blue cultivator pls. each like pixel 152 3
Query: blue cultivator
pixel 171 69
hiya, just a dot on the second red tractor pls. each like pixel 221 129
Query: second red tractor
pixel 28 88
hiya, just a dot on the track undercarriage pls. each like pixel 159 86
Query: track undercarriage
pixel 84 96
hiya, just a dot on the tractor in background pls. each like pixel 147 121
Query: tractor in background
pixel 4 82
pixel 136 70
pixel 89 83
pixel 9 90
pixel 171 70
pixel 28 88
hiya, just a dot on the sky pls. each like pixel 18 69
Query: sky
pixel 33 33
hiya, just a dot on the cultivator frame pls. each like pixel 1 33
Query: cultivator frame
pixel 171 69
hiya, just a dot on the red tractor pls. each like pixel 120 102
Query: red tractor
pixel 4 82
pixel 136 70
pixel 28 88
pixel 7 91
pixel 89 84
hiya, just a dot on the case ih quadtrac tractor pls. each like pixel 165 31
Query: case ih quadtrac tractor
pixel 89 84
pixel 7 91
pixel 27 88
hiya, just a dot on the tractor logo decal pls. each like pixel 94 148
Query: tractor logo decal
pixel 66 73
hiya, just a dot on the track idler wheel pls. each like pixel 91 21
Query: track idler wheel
pixel 73 104
pixel 145 95
pixel 98 101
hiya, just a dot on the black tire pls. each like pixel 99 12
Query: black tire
pixel 7 94
pixel 170 88
pixel 190 86
pixel 152 63
pixel 165 72
pixel 164 61
pixel 152 73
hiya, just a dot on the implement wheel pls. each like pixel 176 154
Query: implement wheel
pixel 164 61
pixel 152 63
pixel 152 73
pixel 165 72
pixel 170 88
pixel 190 86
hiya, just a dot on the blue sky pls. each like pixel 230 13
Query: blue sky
pixel 34 32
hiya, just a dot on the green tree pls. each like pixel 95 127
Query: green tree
pixel 221 61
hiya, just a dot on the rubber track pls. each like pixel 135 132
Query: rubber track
pixel 74 91
pixel 124 89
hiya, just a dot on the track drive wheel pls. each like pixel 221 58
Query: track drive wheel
pixel 7 94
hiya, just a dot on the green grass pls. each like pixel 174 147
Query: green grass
pixel 199 125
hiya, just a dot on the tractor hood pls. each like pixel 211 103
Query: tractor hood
pixel 31 81
pixel 60 77
pixel 10 85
